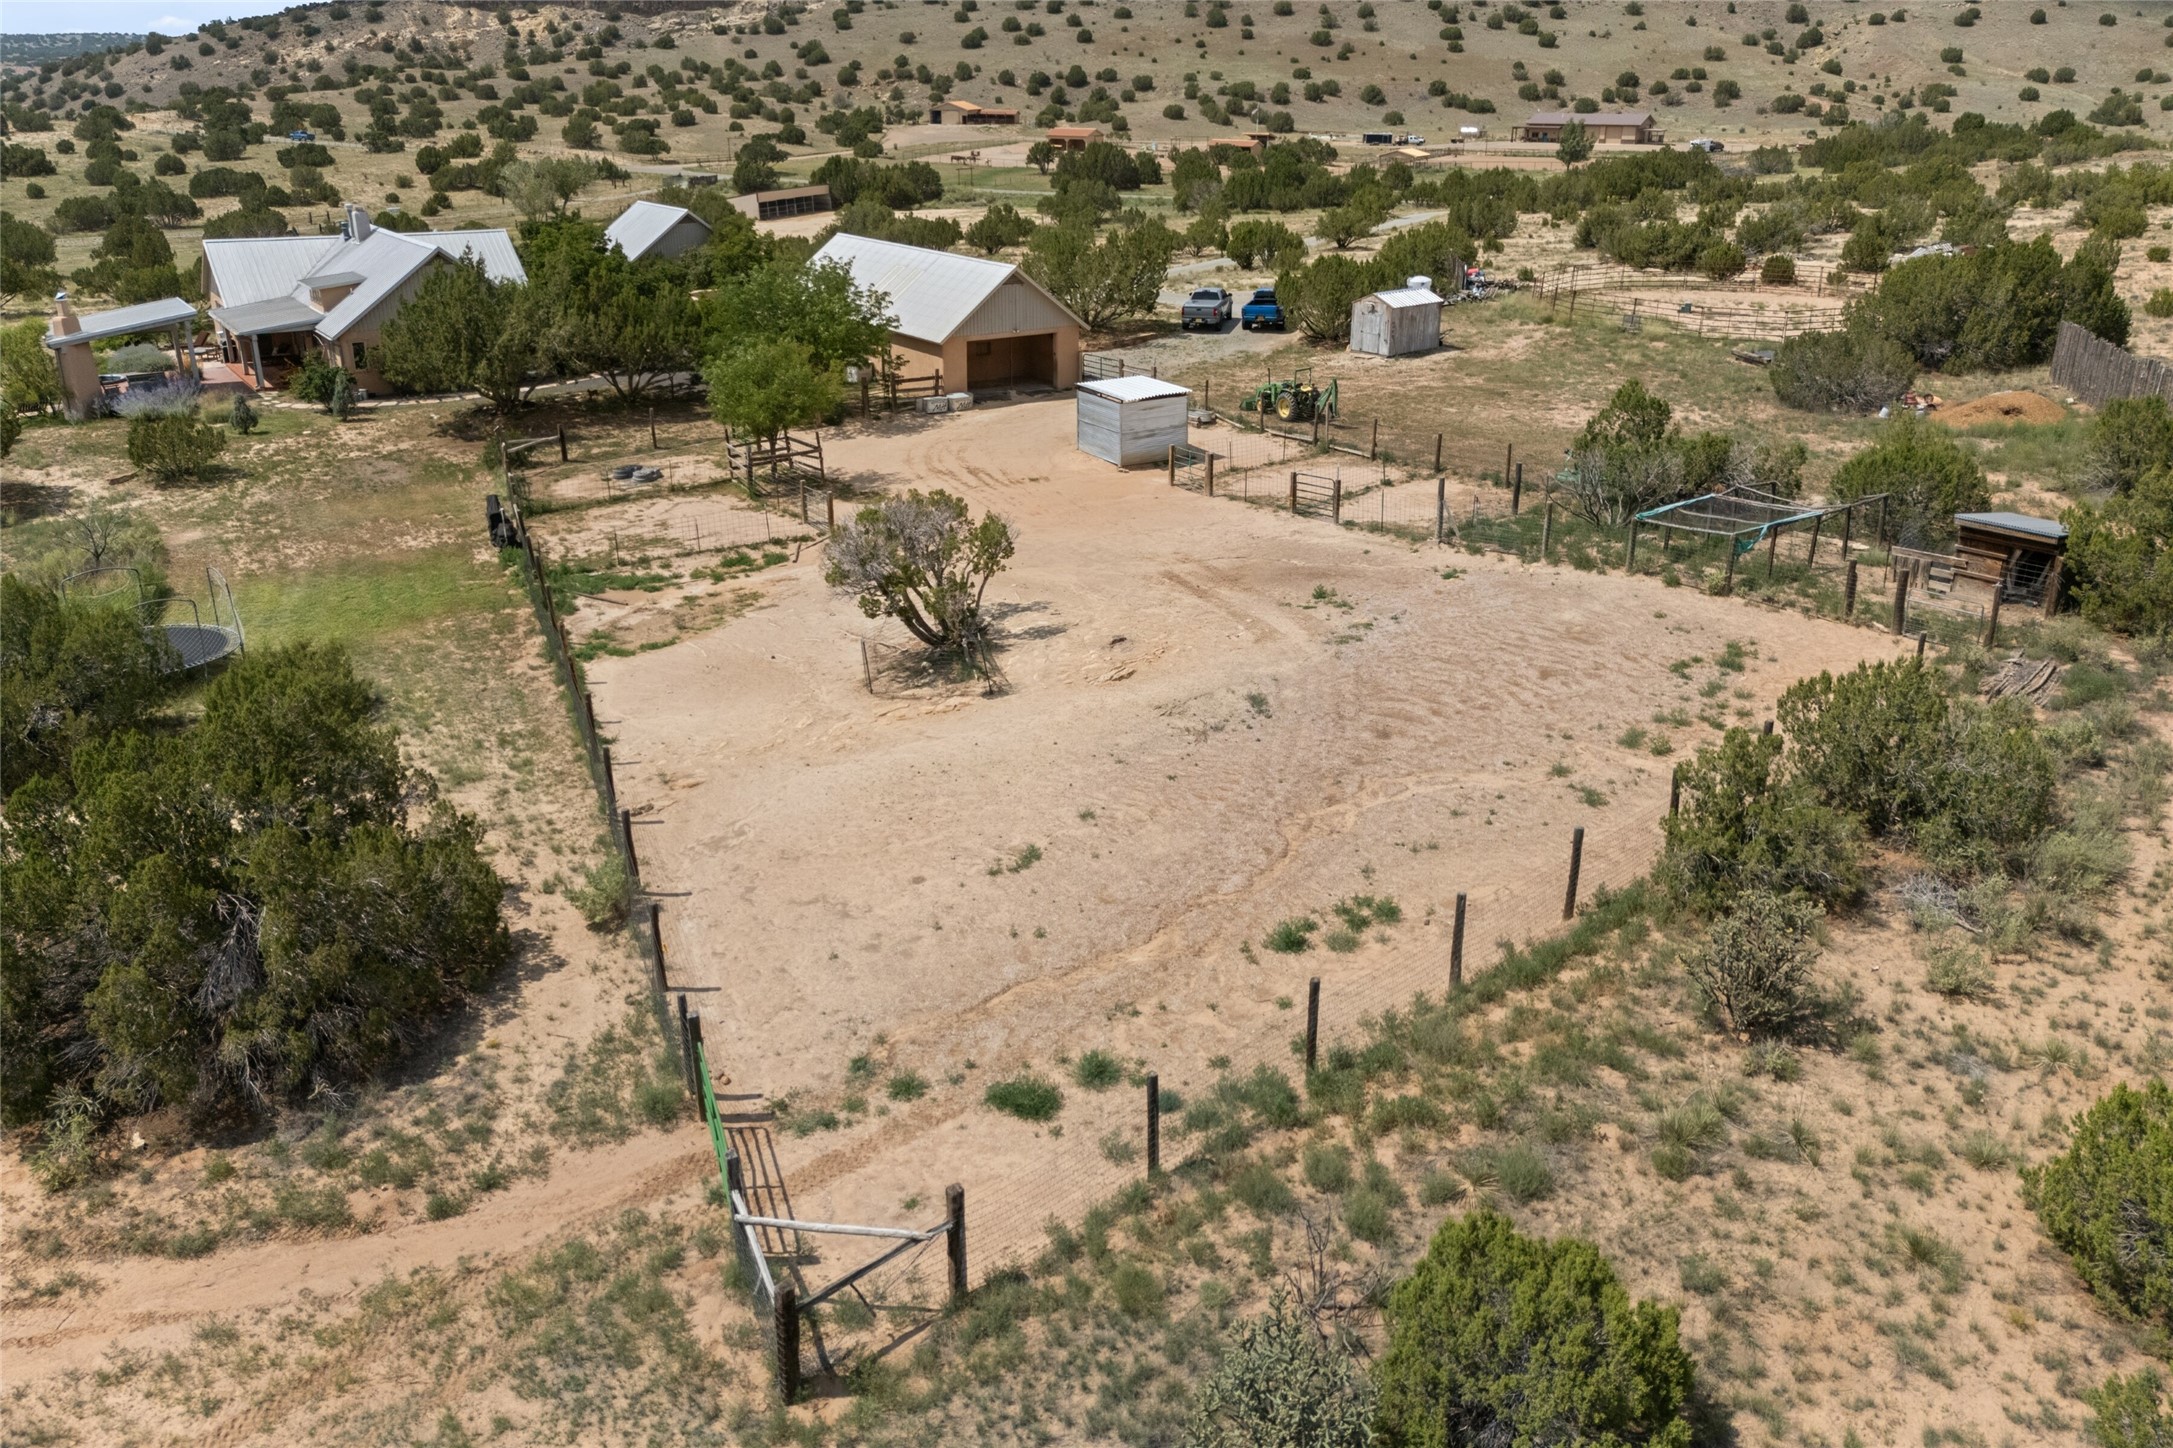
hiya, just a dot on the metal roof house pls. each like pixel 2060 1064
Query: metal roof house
pixel 968 322
pixel 1397 322
pixel 652 229
pixel 274 299
pixel 1628 127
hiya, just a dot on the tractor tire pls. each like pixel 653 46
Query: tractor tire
pixel 1286 404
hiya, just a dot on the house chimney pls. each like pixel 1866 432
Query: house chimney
pixel 358 222
pixel 64 323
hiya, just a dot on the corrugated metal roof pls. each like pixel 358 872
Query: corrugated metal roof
pixel 1135 389
pixel 317 281
pixel 248 269
pixel 1410 297
pixel 492 247
pixel 142 317
pixel 2016 523
pixel 387 259
pixel 644 224
pixel 929 293
pixel 280 314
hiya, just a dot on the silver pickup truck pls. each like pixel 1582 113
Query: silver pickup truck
pixel 1207 307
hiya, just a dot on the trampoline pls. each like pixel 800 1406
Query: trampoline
pixel 195 643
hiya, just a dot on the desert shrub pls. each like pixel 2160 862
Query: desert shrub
pixel 2160 303
pixel 139 357
pixel 1851 371
pixel 172 449
pixel 241 418
pixel 1721 260
pixel 2129 1413
pixel 1754 974
pixel 1293 936
pixel 2108 1200
pixel 2120 567
pixel 1366 1214
pixel 1959 971
pixel 1097 1071
pixel 313 381
pixel 1500 1337
pixel 1328 1168
pixel 1927 475
pixel 176 397
pixel 1137 1292
pixel 1028 1097
pixel 1281 1385
pixel 1744 824
pixel 1269 243
pixel 2132 436
pixel 1778 271
pixel 605 893
pixel 1261 1190
pixel 1516 1171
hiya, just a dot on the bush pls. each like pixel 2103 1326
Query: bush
pixel 2119 565
pixel 2133 436
pixel 1281 1385
pixel 1778 271
pixel 139 357
pixel 314 380
pixel 1852 371
pixel 1512 1339
pixel 2160 303
pixel 2108 1200
pixel 172 449
pixel 2129 1413
pixel 1028 1097
pixel 1754 973
pixel 1927 475
pixel 1097 1071
pixel 605 894
pixel 1743 824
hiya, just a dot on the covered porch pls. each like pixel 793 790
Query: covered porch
pixel 260 344
pixel 71 340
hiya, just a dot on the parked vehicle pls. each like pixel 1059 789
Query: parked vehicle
pixel 1207 307
pixel 300 136
pixel 1262 311
pixel 1707 145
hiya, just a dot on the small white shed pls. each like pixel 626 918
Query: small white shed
pixel 1132 420
pixel 1393 323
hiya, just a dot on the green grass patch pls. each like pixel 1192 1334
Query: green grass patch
pixel 1028 1097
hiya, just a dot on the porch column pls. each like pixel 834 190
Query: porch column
pixel 256 365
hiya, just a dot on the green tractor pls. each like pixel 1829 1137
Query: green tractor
pixel 1294 399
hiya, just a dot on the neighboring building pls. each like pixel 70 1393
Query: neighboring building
pixel 797 201
pixel 652 229
pixel 274 299
pixel 966 321
pixel 1625 127
pixel 69 338
pixel 1398 322
pixel 1074 138
pixel 966 113
pixel 1132 420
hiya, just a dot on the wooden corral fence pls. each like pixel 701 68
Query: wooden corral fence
pixel 786 461
pixel 2098 372
pixel 1101 366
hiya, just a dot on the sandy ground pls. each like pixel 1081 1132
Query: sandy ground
pixel 1197 744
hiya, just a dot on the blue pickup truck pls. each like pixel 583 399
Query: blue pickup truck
pixel 1262 311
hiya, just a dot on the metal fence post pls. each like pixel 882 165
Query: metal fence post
pixel 1516 493
pixel 1210 475
pixel 785 1313
pixel 1154 1123
pixel 686 1054
pixel 626 836
pixel 656 940
pixel 954 1198
pixel 1675 792
pixel 1312 1022
pixel 1437 452
pixel 1576 860
pixel 1848 592
pixel 1441 507
pixel 1456 946
pixel 611 786
pixel 1293 493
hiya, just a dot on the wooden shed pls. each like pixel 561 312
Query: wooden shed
pixel 1132 420
pixel 2020 551
pixel 1397 322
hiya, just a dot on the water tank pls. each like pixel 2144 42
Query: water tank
pixel 1419 284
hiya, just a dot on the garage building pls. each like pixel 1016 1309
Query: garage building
pixel 1132 420
pixel 970 323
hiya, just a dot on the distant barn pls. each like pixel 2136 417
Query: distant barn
pixel 652 229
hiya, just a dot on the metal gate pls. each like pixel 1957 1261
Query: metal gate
pixel 1192 467
pixel 1317 495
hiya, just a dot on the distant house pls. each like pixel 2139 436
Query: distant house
pixel 1074 138
pixel 1626 127
pixel 794 201
pixel 652 229
pixel 966 113
pixel 967 322
pixel 275 299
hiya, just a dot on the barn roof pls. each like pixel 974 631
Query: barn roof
pixel 930 293
pixel 1134 389
pixel 644 224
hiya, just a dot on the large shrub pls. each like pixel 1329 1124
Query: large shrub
pixel 224 915
pixel 1743 824
pixel 2120 557
pixel 1852 371
pixel 2108 1200
pixel 1280 1385
pixel 1927 476
pixel 2132 436
pixel 1754 974
pixel 1500 1338
pixel 173 447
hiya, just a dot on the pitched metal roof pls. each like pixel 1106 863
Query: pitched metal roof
pixel 644 224
pixel 248 270
pixel 280 314
pixel 257 268
pixel 1135 389
pixel 929 294
pixel 1410 297
pixel 2016 523
pixel 1590 118
pixel 320 280
pixel 142 317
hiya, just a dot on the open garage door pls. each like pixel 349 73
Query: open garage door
pixel 997 361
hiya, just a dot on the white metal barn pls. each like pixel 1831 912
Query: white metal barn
pixel 1396 322
pixel 1132 420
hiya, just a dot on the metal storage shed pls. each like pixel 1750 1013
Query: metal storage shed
pixel 1393 323
pixel 1132 420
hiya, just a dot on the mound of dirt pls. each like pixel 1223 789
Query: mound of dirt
pixel 2002 407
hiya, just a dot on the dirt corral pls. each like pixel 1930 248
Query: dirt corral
pixel 1212 717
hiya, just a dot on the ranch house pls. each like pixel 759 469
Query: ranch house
pixel 1621 127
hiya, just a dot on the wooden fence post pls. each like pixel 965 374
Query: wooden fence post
pixel 1154 1123
pixel 1921 640
pixel 1727 584
pixel 611 786
pixel 1773 549
pixel 1629 564
pixel 1312 1023
pixel 1437 452
pixel 954 1199
pixel 1293 492
pixel 1675 792
pixel 1456 945
pixel 1210 475
pixel 1335 514
pixel 656 939
pixel 785 1314
pixel 1173 465
pixel 562 442
pixel 1816 524
pixel 1373 448
pixel 1546 532
pixel 1991 620
pixel 1901 599
pixel 1441 510
pixel 2052 587
pixel 626 836
pixel 1576 860
pixel 1848 592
